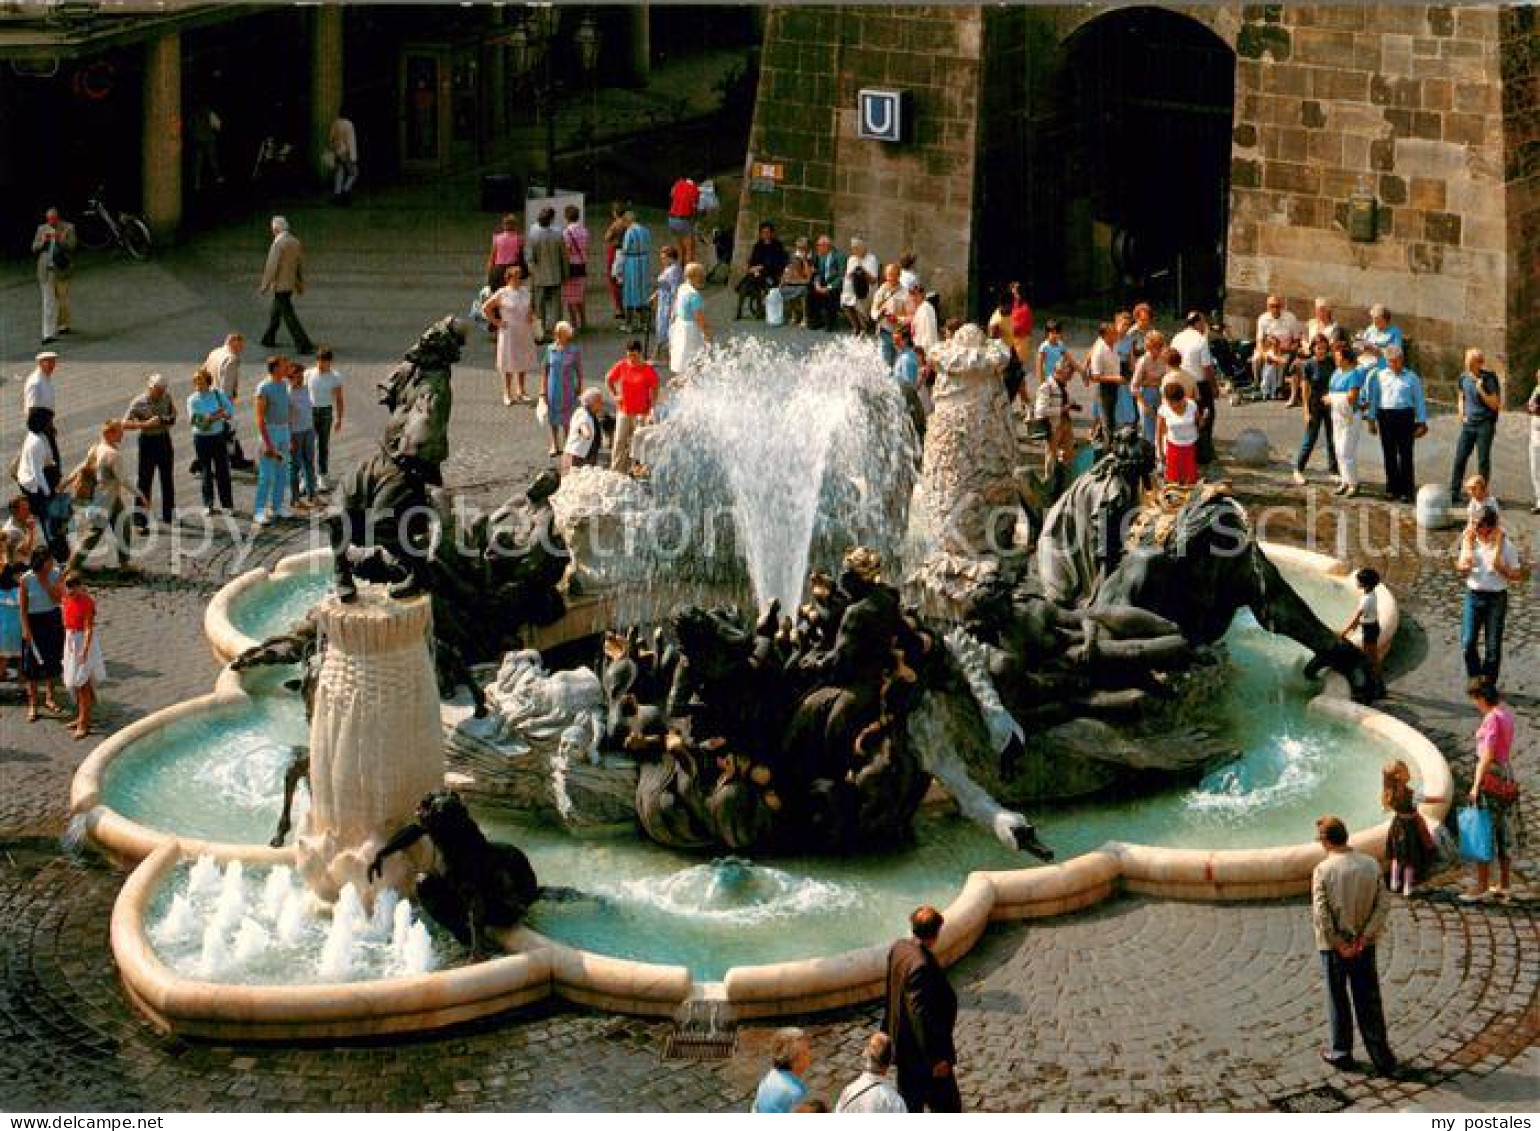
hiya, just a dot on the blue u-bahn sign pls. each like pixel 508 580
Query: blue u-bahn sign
pixel 881 115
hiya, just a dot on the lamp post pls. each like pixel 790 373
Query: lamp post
pixel 587 37
pixel 530 43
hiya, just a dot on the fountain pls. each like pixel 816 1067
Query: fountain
pixel 715 736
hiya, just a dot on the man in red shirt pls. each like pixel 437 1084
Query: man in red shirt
pixel 683 201
pixel 634 385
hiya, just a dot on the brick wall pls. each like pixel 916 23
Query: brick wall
pixel 917 194
pixel 1408 102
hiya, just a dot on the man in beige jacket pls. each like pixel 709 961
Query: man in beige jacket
pixel 283 278
pixel 54 245
pixel 1348 909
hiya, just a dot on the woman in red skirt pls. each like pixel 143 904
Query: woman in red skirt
pixel 1176 436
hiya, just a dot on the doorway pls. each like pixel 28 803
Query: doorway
pixel 1112 180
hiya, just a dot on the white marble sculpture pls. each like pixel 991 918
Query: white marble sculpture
pixel 375 743
pixel 969 494
pixel 563 711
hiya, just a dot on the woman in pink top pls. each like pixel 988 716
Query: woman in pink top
pixel 1494 746
pixel 507 250
pixel 574 287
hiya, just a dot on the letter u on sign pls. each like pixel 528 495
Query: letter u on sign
pixel 881 115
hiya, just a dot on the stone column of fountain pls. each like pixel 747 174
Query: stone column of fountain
pixel 375 743
pixel 969 492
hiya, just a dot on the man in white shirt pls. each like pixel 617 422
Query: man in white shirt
pixel 1198 360
pixel 324 384
pixel 37 473
pixel 1278 322
pixel 872 1093
pixel 37 398
pixel 923 330
pixel 1104 372
pixel 38 392
pixel 224 366
pixel 1323 324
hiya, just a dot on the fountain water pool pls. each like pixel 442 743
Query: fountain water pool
pixel 667 907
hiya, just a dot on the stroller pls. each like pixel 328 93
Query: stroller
pixel 722 246
pixel 1232 363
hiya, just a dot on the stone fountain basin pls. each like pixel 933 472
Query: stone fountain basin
pixel 534 969
pixel 538 966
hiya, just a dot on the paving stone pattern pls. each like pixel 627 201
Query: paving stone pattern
pixel 1133 1005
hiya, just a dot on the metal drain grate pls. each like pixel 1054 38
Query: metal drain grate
pixel 1314 1102
pixel 704 1029
pixel 680 1045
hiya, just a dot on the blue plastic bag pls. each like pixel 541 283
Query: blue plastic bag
pixel 1476 835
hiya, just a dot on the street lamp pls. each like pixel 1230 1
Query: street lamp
pixel 587 38
pixel 530 43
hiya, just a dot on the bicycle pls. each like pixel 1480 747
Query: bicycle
pixel 100 228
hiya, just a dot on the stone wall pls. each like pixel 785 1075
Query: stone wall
pixel 1407 102
pixel 915 194
pixel 1433 109
pixel 1519 30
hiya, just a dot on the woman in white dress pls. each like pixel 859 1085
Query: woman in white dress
pixel 689 334
pixel 512 315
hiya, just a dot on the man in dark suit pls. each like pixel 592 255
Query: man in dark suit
pixel 921 1011
pixel 828 279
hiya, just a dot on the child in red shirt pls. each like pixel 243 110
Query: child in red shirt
pixel 83 666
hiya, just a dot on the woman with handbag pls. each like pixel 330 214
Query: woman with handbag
pixel 37 474
pixel 209 410
pixel 1494 788
pixel 42 632
pixel 574 287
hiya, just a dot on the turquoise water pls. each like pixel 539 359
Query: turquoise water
pixel 275 607
pixel 220 778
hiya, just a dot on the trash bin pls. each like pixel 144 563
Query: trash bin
pixel 501 192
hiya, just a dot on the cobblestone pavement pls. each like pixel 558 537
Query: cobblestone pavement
pixel 1136 1004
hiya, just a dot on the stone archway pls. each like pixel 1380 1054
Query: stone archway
pixel 1108 169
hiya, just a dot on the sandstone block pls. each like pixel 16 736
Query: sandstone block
pixel 1251 448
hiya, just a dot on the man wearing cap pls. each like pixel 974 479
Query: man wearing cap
pixel 283 277
pixel 54 245
pixel 37 399
pixel 151 414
